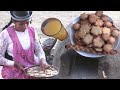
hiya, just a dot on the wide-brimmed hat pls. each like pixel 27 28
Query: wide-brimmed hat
pixel 21 15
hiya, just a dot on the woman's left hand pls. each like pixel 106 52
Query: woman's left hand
pixel 44 64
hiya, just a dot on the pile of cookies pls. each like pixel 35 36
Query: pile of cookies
pixel 37 71
pixel 95 33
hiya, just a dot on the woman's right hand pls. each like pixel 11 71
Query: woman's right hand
pixel 18 65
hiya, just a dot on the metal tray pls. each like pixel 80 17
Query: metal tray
pixel 38 72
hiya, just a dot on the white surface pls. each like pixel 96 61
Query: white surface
pixel 0 72
pixel 71 34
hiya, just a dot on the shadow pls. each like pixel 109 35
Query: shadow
pixel 84 68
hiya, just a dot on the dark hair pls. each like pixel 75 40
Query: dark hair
pixel 10 22
pixel 31 21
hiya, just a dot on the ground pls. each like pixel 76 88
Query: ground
pixel 64 16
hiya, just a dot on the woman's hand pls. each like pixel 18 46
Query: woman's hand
pixel 18 65
pixel 44 64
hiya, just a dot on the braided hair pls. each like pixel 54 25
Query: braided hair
pixel 10 22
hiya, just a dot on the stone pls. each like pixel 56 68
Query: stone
pixel 110 65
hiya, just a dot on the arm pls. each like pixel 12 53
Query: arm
pixel 39 50
pixel 3 48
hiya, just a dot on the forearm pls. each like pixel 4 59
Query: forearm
pixel 39 53
pixel 3 48
pixel 6 62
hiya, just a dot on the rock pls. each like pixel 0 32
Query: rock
pixel 47 46
pixel 110 65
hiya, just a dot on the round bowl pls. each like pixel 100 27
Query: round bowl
pixel 86 54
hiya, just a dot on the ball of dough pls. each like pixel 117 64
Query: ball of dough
pixel 111 40
pixel 105 37
pixel 115 33
pixel 108 24
pixel 83 16
pixel 106 31
pixel 107 47
pixel 76 26
pixel 99 13
pixel 105 18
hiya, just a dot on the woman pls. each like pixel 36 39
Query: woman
pixel 19 47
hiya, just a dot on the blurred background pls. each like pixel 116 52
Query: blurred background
pixel 64 16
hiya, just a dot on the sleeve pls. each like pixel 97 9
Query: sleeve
pixel 3 48
pixel 38 49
